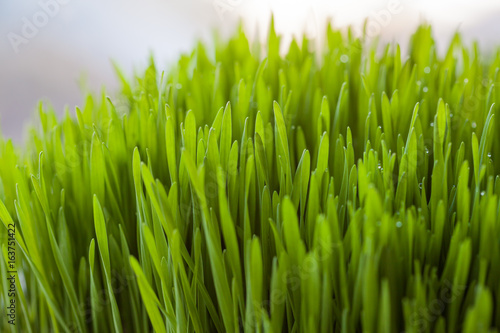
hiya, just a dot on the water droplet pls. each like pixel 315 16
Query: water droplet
pixel 451 115
pixel 489 155
pixel 426 150
pixel 419 83
pixel 466 80
pixel 425 89
pixel 432 124
pixel 399 224
pixel 344 58
pixel 178 86
pixel 427 70
pixel 474 125
pixel 483 193
pixel 420 186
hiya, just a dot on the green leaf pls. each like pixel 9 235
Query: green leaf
pixel 148 295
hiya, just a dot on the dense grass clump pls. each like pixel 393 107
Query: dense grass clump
pixel 344 190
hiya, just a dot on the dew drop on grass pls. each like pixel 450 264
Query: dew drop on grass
pixel 399 224
pixel 425 89
pixel 427 70
pixel 344 58
pixel 420 185
pixel 178 86
pixel 474 125
pixel 489 155
pixel 466 80
pixel 483 193
pixel 432 124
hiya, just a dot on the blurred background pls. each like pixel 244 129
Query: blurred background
pixel 54 50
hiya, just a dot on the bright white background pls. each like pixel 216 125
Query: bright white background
pixel 72 51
